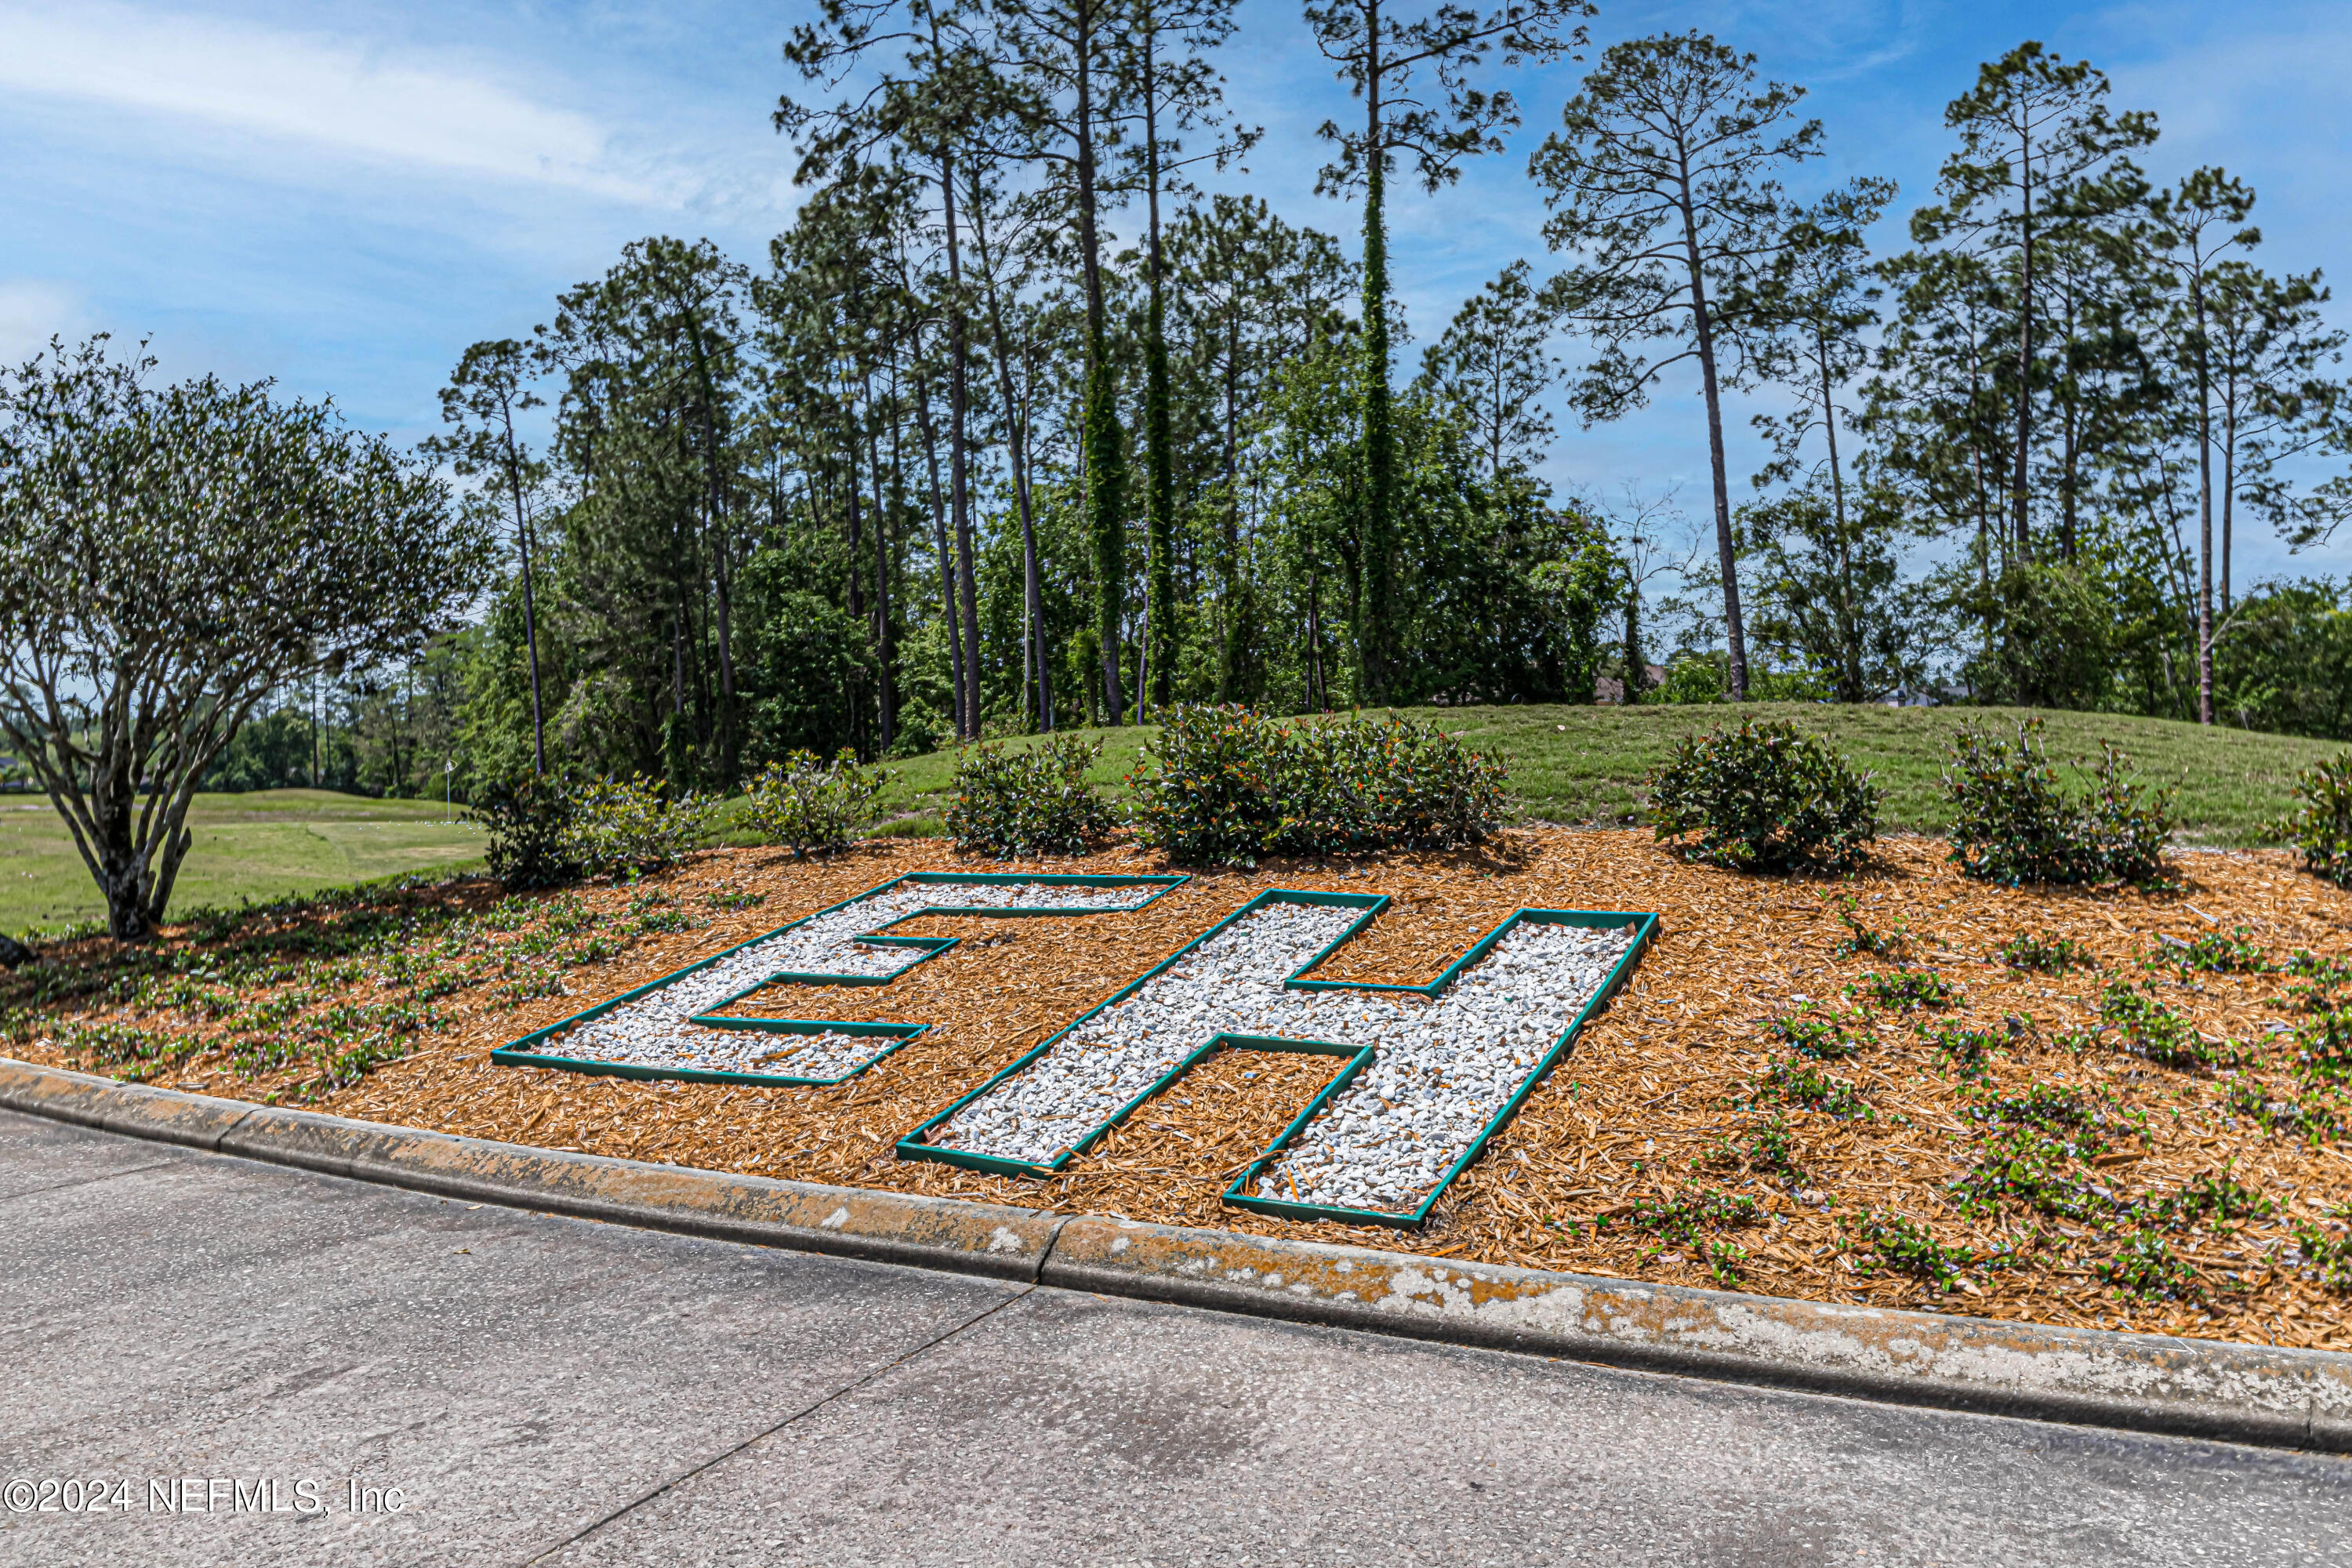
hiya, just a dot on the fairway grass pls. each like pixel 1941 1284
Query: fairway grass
pixel 260 846
pixel 1586 764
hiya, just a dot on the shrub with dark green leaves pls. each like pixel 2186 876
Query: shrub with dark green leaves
pixel 1224 787
pixel 2015 821
pixel 811 807
pixel 1764 795
pixel 1030 802
pixel 529 824
pixel 622 827
pixel 2320 828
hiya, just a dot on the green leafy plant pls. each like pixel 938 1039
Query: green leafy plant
pixel 2047 1106
pixel 2145 1266
pixel 1824 1037
pixel 1764 795
pixel 2211 1196
pixel 1226 785
pixel 2045 954
pixel 728 899
pixel 622 827
pixel 813 807
pixel 2320 828
pixel 1906 990
pixel 1686 1222
pixel 2324 1044
pixel 1033 801
pixel 2036 1171
pixel 1861 938
pixel 1802 1083
pixel 2325 1255
pixel 2013 822
pixel 658 913
pixel 1899 1243
pixel 2217 952
pixel 2307 1114
pixel 2153 1032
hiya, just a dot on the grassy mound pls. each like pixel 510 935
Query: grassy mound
pixel 1585 766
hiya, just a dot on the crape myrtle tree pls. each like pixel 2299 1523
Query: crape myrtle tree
pixel 1661 179
pixel 1413 73
pixel 168 557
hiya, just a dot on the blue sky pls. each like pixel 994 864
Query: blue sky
pixel 344 197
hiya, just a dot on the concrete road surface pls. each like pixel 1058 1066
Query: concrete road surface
pixel 208 1361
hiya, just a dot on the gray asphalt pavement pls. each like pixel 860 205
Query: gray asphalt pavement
pixel 218 1362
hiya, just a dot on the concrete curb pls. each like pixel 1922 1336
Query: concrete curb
pixel 2145 1383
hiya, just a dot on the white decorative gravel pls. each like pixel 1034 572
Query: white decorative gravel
pixel 654 1030
pixel 1444 1067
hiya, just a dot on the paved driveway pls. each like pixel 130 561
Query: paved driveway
pixel 261 1350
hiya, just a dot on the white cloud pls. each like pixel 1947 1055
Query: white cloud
pixel 326 94
pixel 33 311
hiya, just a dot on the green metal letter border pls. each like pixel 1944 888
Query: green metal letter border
pixel 1646 925
pixel 522 1052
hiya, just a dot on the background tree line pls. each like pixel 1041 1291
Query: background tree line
pixel 955 459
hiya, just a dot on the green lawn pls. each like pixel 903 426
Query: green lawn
pixel 1587 764
pixel 258 846
pixel 1566 764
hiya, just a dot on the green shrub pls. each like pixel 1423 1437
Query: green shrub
pixel 1764 795
pixel 621 826
pixel 2321 828
pixel 811 807
pixel 1229 786
pixel 1033 802
pixel 2013 822
pixel 529 824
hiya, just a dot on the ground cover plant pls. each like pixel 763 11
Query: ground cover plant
pixel 1999 1156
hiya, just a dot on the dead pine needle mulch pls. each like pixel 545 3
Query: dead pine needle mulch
pixel 2014 1152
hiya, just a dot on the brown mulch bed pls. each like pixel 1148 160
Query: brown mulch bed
pixel 1660 1102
